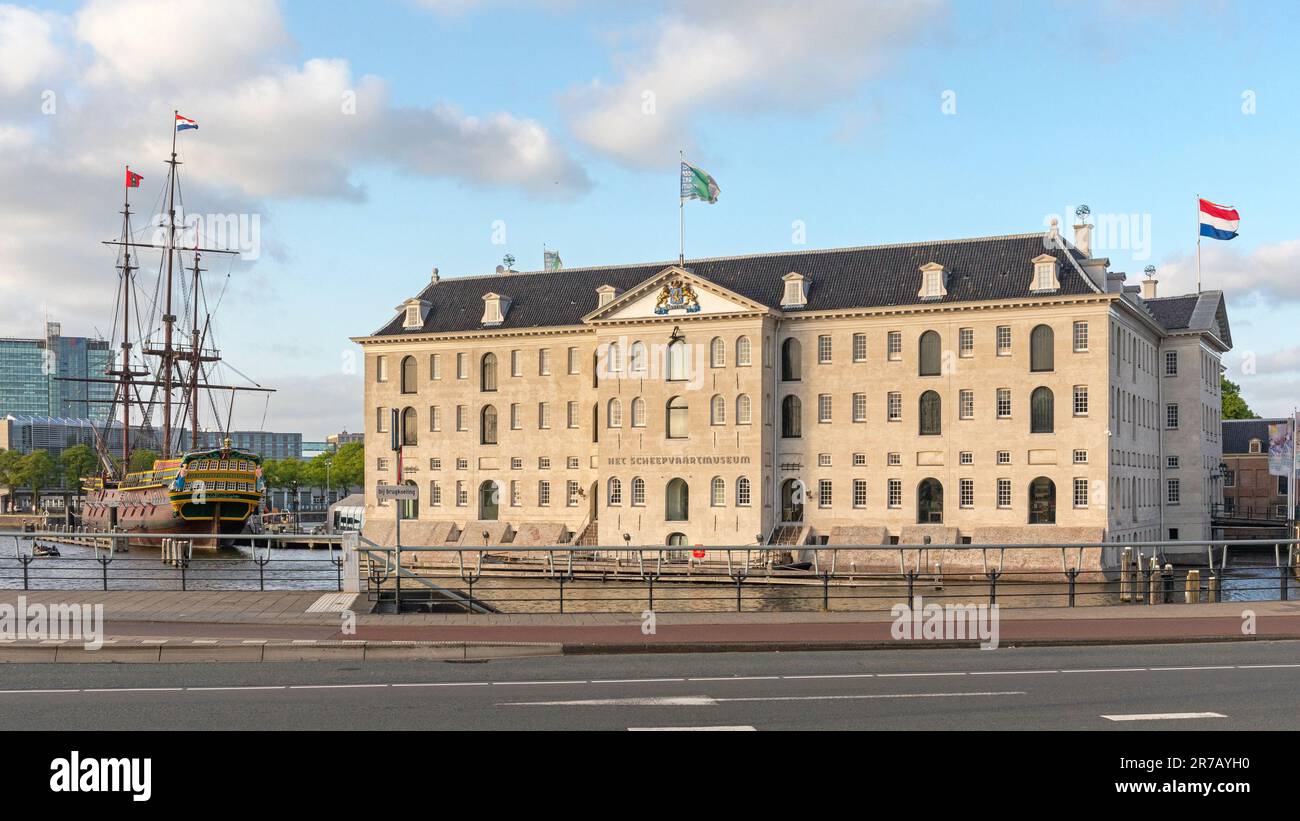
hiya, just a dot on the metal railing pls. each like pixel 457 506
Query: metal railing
pixel 72 559
pixel 626 578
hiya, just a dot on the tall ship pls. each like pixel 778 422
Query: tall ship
pixel 163 374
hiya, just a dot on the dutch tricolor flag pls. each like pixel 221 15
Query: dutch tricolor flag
pixel 182 123
pixel 1218 221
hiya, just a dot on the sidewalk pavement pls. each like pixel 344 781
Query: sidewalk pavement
pixel 301 625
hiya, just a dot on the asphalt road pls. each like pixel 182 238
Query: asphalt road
pixel 1238 686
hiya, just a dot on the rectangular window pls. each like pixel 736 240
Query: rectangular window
pixel 966 342
pixel 544 493
pixel 571 463
pixel 461 422
pixel 543 415
pixel 967 493
pixel 823 460
pixel 543 463
pixel 516 495
pixel 966 404
pixel 435 418
pixel 544 362
pixel 462 494
pixel 381 369
pixel 894 347
pixel 1281 486
pixel 515 423
pixel 894 459
pixel 435 463
pixel 1004 457
pixel 382 463
pixel 573 360
pixel 1080 337
pixel 859 460
pixel 1173 491
pixel 1081 457
pixel 824 493
pixel 824 407
pixel 638 492
pixel 1080 400
pixel 381 420
pixel 571 496
pixel 1171 416
pixel 516 363
pixel 859 492
pixel 1004 340
pixel 859 407
pixel 895 406
pixel 966 458
pixel 1231 479
pixel 1080 492
pixel 435 366
pixel 572 416
pixel 1004 403
pixel 824 349
pixel 435 494
pixel 462 366
pixel 859 347
pixel 1171 363
pixel 462 464
pixel 1171 462
pixel 1004 493
pixel 895 497
pixel 516 463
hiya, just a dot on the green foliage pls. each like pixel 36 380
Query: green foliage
pixel 349 466
pixel 142 460
pixel 78 462
pixel 10 469
pixel 37 470
pixel 1234 407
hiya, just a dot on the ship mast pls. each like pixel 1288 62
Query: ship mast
pixel 125 373
pixel 196 357
pixel 169 319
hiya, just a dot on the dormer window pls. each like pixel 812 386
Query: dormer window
pixel 1045 274
pixel 1256 446
pixel 796 290
pixel 934 281
pixel 414 312
pixel 605 294
pixel 495 308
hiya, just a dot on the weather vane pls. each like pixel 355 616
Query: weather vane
pixel 1081 213
pixel 509 260
pixel 1150 271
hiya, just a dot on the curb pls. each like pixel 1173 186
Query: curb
pixel 359 651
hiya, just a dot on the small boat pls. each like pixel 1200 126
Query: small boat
pixel 45 550
pixel 794 566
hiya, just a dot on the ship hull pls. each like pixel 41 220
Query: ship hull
pixel 148 512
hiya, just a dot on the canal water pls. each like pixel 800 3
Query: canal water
pixel 1250 577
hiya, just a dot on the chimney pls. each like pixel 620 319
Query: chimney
pixel 1083 238
pixel 1115 282
pixel 1149 287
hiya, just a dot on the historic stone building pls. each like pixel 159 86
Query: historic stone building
pixel 998 389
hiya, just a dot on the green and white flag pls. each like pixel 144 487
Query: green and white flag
pixel 698 185
pixel 551 261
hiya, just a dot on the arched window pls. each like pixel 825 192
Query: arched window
pixel 791 418
pixel 676 540
pixel 637 363
pixel 410 426
pixel 489 501
pixel 1041 411
pixel 409 370
pixel 638 412
pixel 1042 501
pixel 488 425
pixel 742 492
pixel 717 492
pixel 410 508
pixel 743 352
pixel 677 499
pixel 930 356
pixel 792 493
pixel 1041 348
pixel 638 491
pixel 615 358
pixel 929 502
pixel 614 414
pixel 744 409
pixel 675 420
pixel 931 414
pixel 791 360
pixel 717 353
pixel 488 372
pixel 678 365
pixel 615 491
pixel 717 411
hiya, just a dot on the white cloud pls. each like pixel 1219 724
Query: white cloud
pixel 1271 270
pixel 28 54
pixel 738 56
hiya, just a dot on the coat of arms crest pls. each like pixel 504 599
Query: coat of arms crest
pixel 676 295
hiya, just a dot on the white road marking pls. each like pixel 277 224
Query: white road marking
pixel 632 680
pixel 254 641
pixel 859 697
pixel 1161 716
pixel 543 681
pixel 444 684
pixel 1108 670
pixel 204 641
pixel 334 686
pixel 1014 672
pixel 1217 667
pixel 721 728
pixel 832 675
pixel 916 675
pixel 649 701
pixel 734 678
pixel 153 641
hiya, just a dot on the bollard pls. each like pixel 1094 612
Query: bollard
pixel 1153 581
pixel 1213 591
pixel 1167 583
pixel 1192 593
pixel 1125 574
pixel 1139 589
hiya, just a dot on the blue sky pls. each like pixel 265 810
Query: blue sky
pixel 831 114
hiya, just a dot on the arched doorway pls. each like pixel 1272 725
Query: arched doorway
pixel 792 500
pixel 677 501
pixel 410 507
pixel 1042 501
pixel 929 502
pixel 489 502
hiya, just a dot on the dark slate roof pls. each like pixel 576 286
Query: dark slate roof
pixel 1237 434
pixel 986 268
pixel 1206 311
pixel 1173 312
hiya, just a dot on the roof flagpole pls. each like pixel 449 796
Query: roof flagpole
pixel 681 212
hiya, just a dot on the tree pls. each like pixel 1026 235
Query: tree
pixel 78 462
pixel 142 460
pixel 10 470
pixel 349 466
pixel 37 471
pixel 1234 407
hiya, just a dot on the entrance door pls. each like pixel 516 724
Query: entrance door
pixel 488 502
pixel 929 502
pixel 792 501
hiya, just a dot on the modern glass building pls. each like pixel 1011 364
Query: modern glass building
pixel 30 371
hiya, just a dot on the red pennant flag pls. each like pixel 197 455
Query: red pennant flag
pixel 132 179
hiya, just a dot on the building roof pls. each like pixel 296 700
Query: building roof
pixel 1237 434
pixel 1205 311
pixel 979 269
